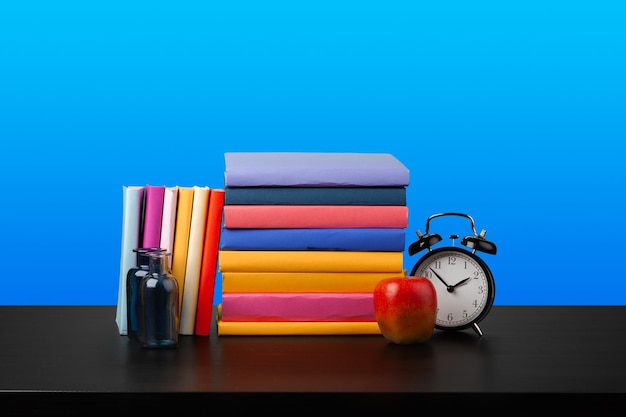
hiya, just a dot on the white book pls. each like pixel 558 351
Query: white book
pixel 132 211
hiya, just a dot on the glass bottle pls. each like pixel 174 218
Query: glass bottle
pixel 158 306
pixel 133 277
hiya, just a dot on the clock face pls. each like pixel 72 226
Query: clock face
pixel 464 284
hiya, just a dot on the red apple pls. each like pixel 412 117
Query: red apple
pixel 405 309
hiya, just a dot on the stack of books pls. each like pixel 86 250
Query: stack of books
pixel 185 221
pixel 306 237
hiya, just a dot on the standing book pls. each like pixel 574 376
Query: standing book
pixel 132 208
pixel 181 238
pixel 168 225
pixel 153 216
pixel 208 270
pixel 197 228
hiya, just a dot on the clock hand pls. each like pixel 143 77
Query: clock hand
pixel 442 280
pixel 461 282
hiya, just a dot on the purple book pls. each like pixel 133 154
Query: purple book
pixel 313 169
pixel 153 216
pixel 350 239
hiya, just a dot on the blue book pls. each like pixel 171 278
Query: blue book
pixel 353 196
pixel 336 239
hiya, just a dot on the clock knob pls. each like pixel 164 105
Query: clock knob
pixel 480 244
pixel 423 242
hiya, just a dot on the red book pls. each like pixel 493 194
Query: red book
pixel 314 216
pixel 153 216
pixel 208 269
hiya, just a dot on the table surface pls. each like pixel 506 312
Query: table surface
pixel 578 351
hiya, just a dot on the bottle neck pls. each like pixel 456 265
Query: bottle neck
pixel 158 262
pixel 143 261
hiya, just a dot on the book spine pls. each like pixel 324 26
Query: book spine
pixel 181 238
pixel 206 290
pixel 355 239
pixel 313 169
pixel 366 196
pixel 298 307
pixel 312 261
pixel 153 216
pixel 168 225
pixel 303 281
pixel 309 216
pixel 197 228
pixel 268 328
pixel 132 208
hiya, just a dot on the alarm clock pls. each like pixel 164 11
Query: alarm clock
pixel 464 283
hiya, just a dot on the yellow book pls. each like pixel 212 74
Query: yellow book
pixel 197 227
pixel 282 328
pixel 181 238
pixel 304 281
pixel 312 261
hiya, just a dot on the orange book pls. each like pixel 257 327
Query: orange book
pixel 208 270
pixel 303 281
pixel 197 227
pixel 280 328
pixel 311 261
pixel 181 238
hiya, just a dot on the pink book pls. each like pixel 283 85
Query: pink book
pixel 281 306
pixel 153 216
pixel 312 216
pixel 168 225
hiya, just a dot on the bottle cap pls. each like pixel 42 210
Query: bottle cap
pixel 142 255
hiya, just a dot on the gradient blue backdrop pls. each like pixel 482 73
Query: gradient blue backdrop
pixel 513 112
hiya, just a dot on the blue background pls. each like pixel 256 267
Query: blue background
pixel 512 112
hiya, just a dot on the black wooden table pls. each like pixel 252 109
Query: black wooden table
pixel 68 358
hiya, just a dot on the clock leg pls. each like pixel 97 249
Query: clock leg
pixel 477 329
